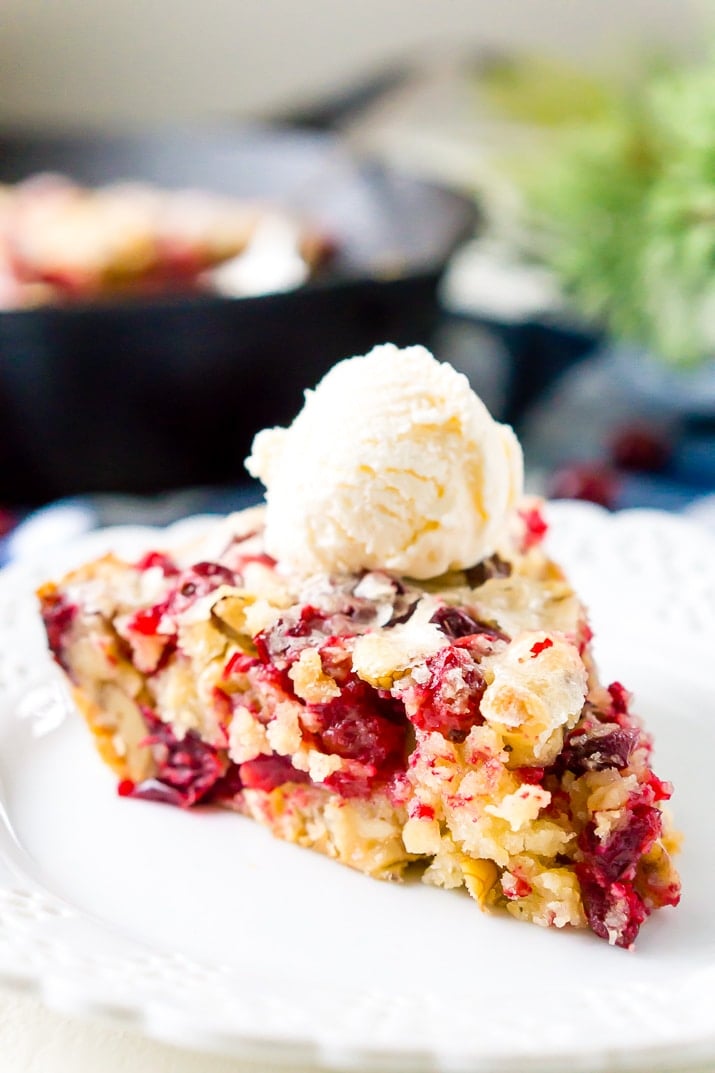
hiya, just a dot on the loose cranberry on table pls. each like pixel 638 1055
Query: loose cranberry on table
pixel 7 521
pixel 640 447
pixel 592 481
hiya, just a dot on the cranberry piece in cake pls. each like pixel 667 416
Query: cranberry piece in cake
pixel 186 769
pixel 58 614
pixel 268 772
pixel 448 700
pixel 356 726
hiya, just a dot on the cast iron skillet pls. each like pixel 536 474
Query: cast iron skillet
pixel 148 395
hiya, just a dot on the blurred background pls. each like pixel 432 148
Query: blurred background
pixel 117 62
pixel 204 206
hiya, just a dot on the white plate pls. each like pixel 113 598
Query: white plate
pixel 202 930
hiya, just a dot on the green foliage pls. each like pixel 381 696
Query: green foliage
pixel 625 214
pixel 541 90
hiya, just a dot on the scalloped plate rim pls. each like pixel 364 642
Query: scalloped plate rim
pixel 168 1023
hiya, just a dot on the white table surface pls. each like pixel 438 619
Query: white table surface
pixel 36 1040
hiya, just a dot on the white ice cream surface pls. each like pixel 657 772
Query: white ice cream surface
pixel 392 463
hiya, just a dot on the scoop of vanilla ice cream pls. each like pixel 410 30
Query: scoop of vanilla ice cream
pixel 392 463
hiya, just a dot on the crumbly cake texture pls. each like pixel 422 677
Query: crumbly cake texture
pixel 456 723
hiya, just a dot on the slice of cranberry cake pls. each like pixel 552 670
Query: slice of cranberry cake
pixel 457 722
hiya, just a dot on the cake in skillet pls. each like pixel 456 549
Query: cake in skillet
pixel 61 242
pixel 382 664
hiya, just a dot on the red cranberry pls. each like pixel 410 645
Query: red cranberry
pixel 541 646
pixel 449 700
pixel 7 521
pixel 161 792
pixel 535 527
pixel 620 698
pixel 58 614
pixel 608 870
pixel 282 644
pixel 239 663
pixel 194 583
pixel 355 735
pixel 361 725
pixel 157 558
pixel 619 901
pixel 520 888
pixel 661 791
pixel 355 782
pixel 641 448
pixel 187 769
pixel 228 786
pixel 585 636
pixel 146 621
pixel 199 580
pixel 309 619
pixel 616 858
pixel 268 772
pixel 590 481
pixel 531 775
pixel 608 746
